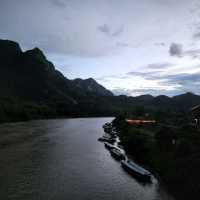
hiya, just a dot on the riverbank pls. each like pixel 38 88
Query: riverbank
pixel 15 109
pixel 172 154
pixel 51 117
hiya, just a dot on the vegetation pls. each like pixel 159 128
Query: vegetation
pixel 172 152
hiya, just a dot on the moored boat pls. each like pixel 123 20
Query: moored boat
pixel 106 139
pixel 117 154
pixel 136 170
pixel 113 135
pixel 107 128
pixel 109 146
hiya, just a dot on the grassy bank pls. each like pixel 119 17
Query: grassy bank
pixel 173 152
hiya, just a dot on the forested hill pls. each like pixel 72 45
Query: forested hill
pixel 31 87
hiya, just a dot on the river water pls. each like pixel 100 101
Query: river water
pixel 62 160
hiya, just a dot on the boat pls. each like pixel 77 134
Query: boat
pixel 107 128
pixel 106 125
pixel 109 146
pixel 117 154
pixel 136 170
pixel 106 139
pixel 120 146
pixel 113 135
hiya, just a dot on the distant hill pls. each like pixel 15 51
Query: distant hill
pixel 90 86
pixel 31 87
pixel 29 75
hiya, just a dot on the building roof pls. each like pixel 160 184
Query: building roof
pixel 139 121
pixel 195 108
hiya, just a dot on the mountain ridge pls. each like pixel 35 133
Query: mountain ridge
pixel 31 86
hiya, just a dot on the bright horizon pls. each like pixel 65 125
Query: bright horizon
pixel 130 47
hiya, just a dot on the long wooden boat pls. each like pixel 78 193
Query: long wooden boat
pixel 109 146
pixel 107 139
pixel 117 154
pixel 136 170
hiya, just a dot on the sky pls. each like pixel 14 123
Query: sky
pixel 131 47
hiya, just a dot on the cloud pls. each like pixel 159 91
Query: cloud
pixel 126 44
pixel 147 75
pixel 168 84
pixel 184 82
pixel 194 53
pixel 152 71
pixel 145 90
pixel 104 29
pixel 121 91
pixel 155 79
pixel 196 35
pixel 196 25
pixel 118 31
pixel 59 3
pixel 106 78
pixel 176 49
pixel 159 65
pixel 60 27
pixel 113 32
pixel 178 82
pixel 162 44
pixel 178 78
pixel 182 78
pixel 50 29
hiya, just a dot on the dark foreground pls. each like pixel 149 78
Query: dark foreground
pixel 62 159
pixel 171 151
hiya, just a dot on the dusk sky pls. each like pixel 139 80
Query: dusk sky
pixel 131 47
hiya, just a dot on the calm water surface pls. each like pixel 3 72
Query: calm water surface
pixel 62 160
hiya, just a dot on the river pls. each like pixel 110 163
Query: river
pixel 62 160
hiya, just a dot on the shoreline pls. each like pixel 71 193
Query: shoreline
pixel 53 118
pixel 165 164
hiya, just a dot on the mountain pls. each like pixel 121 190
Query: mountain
pixel 162 100
pixel 146 97
pixel 187 100
pixel 90 86
pixel 29 75
pixel 31 87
